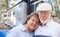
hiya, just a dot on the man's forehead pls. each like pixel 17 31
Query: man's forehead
pixel 44 11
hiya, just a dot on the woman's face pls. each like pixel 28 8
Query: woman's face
pixel 33 22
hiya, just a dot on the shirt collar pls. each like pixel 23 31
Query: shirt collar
pixel 48 23
pixel 23 28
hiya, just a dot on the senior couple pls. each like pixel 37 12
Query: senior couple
pixel 37 24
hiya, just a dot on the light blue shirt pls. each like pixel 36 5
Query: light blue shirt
pixel 19 31
pixel 50 30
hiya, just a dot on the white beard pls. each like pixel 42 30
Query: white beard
pixel 45 21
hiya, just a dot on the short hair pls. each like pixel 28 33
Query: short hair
pixel 29 16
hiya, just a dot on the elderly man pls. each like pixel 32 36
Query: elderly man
pixel 47 28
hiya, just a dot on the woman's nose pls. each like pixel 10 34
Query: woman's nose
pixel 34 23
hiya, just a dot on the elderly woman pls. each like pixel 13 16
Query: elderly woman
pixel 26 29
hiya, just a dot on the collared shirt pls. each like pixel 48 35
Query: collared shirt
pixel 19 31
pixel 51 29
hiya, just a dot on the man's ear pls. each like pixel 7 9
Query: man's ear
pixel 51 12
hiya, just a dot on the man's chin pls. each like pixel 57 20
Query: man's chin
pixel 44 21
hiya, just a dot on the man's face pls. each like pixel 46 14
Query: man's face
pixel 44 16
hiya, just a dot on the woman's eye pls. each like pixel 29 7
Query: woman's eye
pixel 36 22
pixel 32 20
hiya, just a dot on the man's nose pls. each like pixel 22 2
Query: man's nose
pixel 43 15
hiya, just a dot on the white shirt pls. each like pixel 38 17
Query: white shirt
pixel 51 29
pixel 19 31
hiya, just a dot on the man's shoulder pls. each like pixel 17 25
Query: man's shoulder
pixel 53 22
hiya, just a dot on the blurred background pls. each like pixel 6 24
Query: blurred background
pixel 14 12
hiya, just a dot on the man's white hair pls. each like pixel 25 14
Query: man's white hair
pixel 44 6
